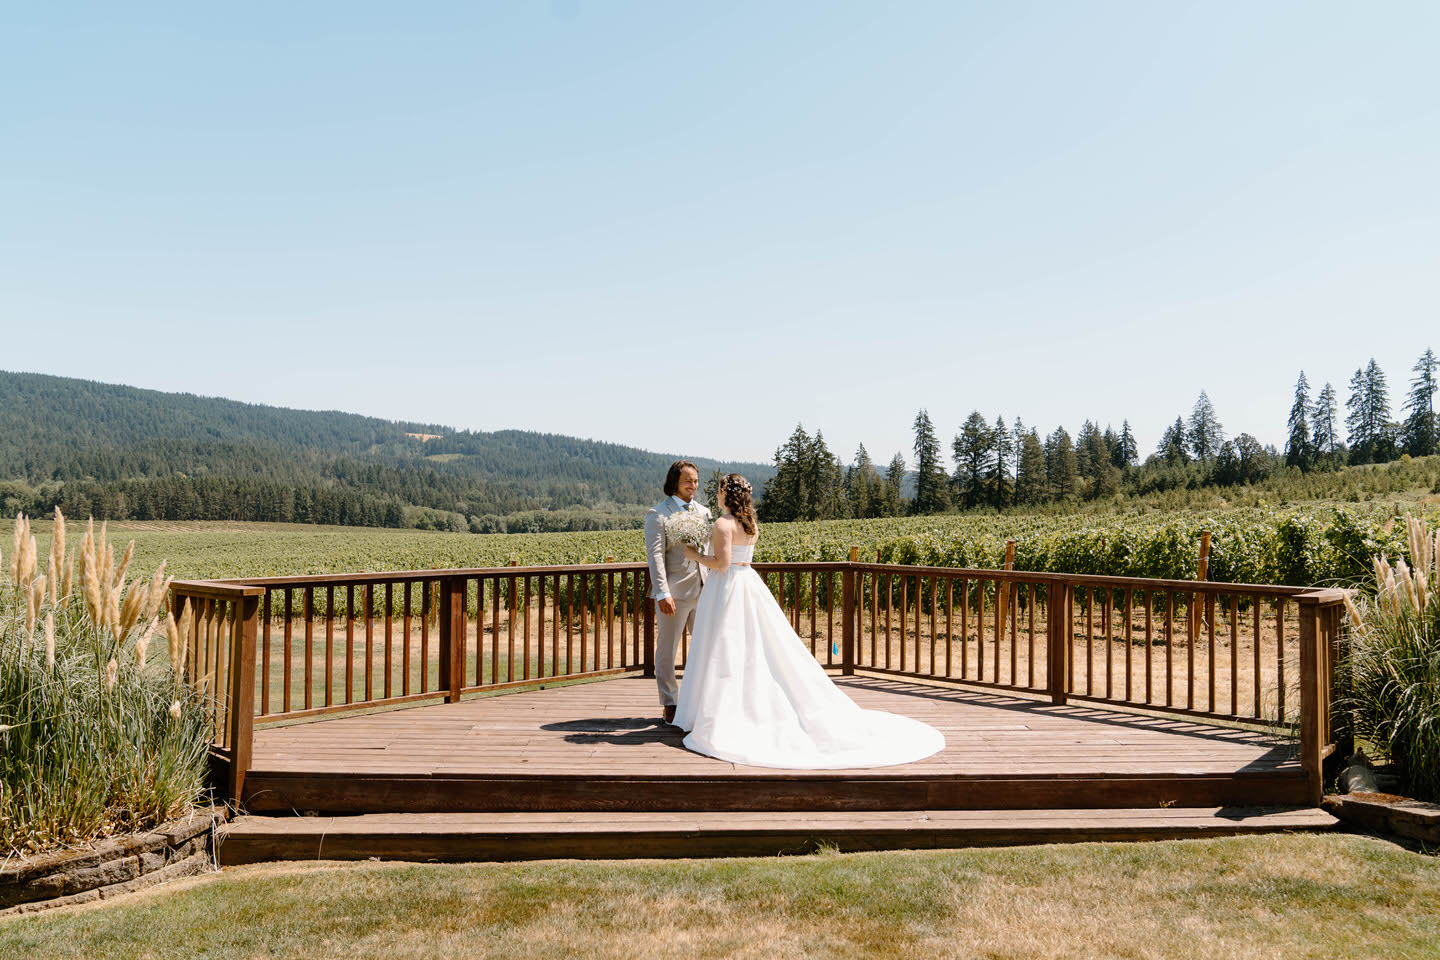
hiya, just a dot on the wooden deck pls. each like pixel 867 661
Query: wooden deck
pixel 600 747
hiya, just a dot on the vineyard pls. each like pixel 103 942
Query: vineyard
pixel 1314 544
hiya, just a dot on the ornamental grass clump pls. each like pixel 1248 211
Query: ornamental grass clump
pixel 1393 667
pixel 98 734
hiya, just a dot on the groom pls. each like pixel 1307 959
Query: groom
pixel 674 581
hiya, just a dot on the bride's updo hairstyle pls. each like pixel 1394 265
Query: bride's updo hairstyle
pixel 735 495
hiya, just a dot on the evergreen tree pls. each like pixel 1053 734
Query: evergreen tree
pixel 1325 441
pixel 785 496
pixel 1299 451
pixel 1030 479
pixel 894 486
pixel 822 481
pixel 1094 458
pixel 1420 435
pixel 930 493
pixel 974 452
pixel 862 486
pixel 1174 443
pixel 1061 466
pixel 1001 485
pixel 1204 431
pixel 1126 451
pixel 1368 422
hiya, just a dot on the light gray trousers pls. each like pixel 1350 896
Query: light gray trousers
pixel 667 645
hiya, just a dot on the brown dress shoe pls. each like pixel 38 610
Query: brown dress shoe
pixel 670 713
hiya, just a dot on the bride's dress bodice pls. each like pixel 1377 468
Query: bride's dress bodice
pixel 753 692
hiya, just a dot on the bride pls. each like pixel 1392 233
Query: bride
pixel 752 691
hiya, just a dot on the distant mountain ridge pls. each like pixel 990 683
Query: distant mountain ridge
pixel 128 452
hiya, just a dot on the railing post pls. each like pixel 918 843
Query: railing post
pixel 452 637
pixel 242 691
pixel 1314 705
pixel 847 620
pixel 1057 634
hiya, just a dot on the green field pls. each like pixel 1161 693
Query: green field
pixel 1321 542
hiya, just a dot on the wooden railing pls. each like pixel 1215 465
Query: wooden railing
pixel 315 645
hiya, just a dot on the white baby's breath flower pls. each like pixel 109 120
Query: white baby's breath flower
pixel 688 526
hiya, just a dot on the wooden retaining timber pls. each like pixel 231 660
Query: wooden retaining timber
pixel 1034 677
pixel 532 836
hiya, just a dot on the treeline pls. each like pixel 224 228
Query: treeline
pixel 998 464
pixel 118 452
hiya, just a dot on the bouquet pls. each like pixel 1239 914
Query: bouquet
pixel 688 526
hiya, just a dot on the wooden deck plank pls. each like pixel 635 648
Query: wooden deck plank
pixel 594 743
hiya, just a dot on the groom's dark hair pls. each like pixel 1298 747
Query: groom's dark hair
pixel 672 479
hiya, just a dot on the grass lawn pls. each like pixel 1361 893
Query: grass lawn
pixel 1285 896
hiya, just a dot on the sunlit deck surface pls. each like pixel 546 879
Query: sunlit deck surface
pixel 600 746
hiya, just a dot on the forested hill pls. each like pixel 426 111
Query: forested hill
pixel 123 452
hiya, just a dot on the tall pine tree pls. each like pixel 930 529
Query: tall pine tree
pixel 1324 439
pixel 1420 435
pixel 974 451
pixel 930 481
pixel 1204 431
pixel 1298 449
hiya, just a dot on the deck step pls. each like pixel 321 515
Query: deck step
pixel 540 836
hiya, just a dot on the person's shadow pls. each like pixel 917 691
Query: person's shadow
pixel 621 731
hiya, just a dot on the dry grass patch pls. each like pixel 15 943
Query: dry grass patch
pixel 1233 899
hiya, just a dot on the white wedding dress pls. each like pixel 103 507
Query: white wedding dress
pixel 754 694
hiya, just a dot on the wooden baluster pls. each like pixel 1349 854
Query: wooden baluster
pixel 1011 612
pixel 405 649
pixel 1170 649
pixel 555 631
pixel 1191 636
pixel 329 645
pixel 1129 643
pixel 389 639
pixel 494 630
pixel 1280 660
pixel 570 624
pixel 289 614
pixel 980 631
pixel 830 619
pixel 999 631
pixel 1234 655
pixel 540 627
pixel 350 643
pixel 1089 640
pixel 307 604
pixel 367 604
pixel 814 650
pixel 1109 644
pixel 609 621
pixel 584 625
pixel 889 603
pixel 1255 693
pixel 425 600
pixel 1149 646
pixel 1030 664
pixel 510 586
pixel 525 641
pixel 904 607
pixel 964 628
pixel 874 618
pixel 265 654
pixel 1209 609
pixel 949 622
pixel 934 601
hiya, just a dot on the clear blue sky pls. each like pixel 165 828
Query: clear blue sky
pixel 688 226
